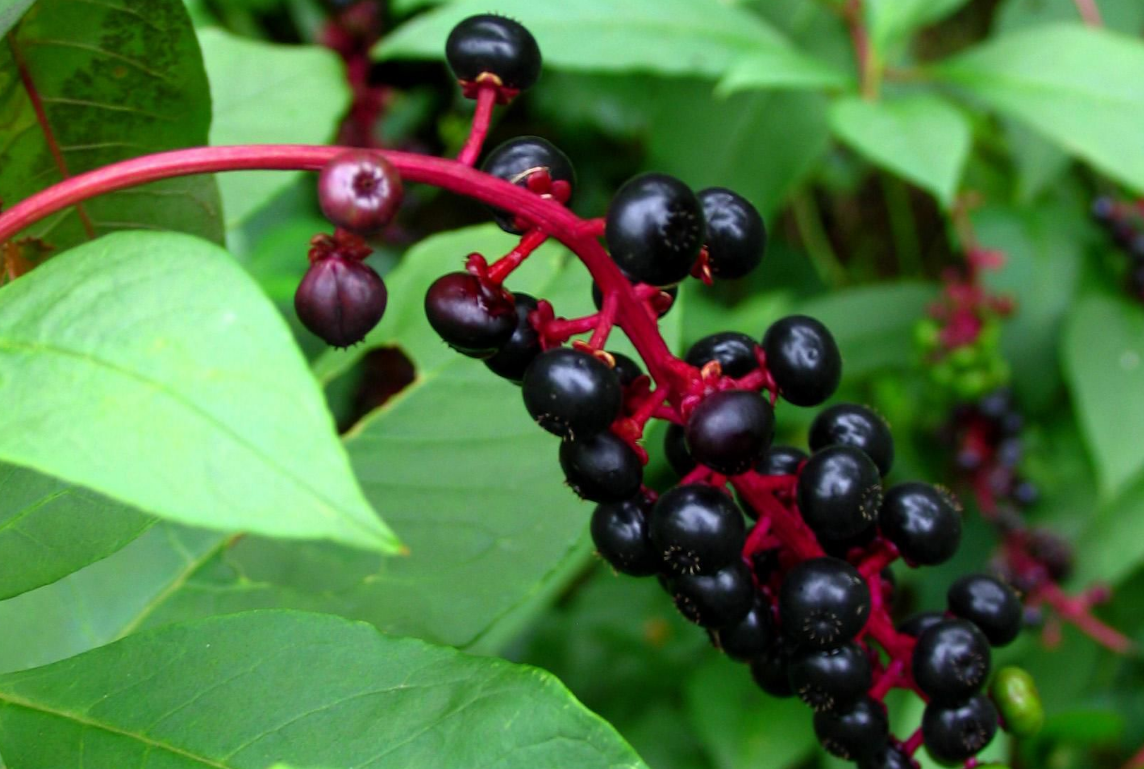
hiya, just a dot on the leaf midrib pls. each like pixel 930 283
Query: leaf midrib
pixel 327 509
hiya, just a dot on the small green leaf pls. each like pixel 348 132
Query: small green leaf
pixel 921 138
pixel 150 368
pixel 891 20
pixel 1104 365
pixel 269 94
pixel 1080 87
pixel 49 529
pixel 677 37
pixel 781 67
pixel 247 691
pixel 115 80
pixel 1112 546
pixel 10 13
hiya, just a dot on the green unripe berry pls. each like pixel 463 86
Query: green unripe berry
pixel 927 333
pixel 1015 694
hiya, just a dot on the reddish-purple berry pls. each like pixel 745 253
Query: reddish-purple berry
pixel 340 300
pixel 360 191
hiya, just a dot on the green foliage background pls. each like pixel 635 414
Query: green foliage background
pixel 168 451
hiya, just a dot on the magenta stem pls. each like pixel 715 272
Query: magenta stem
pixel 482 119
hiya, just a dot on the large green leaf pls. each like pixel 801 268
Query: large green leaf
pixel 269 94
pixel 115 80
pixel 150 368
pixel 1112 547
pixel 1120 15
pixel 873 325
pixel 921 138
pixel 781 67
pixel 10 13
pixel 1041 271
pixel 890 20
pixel 49 529
pixel 1104 363
pixel 105 601
pixel 247 691
pixel 678 37
pixel 1079 86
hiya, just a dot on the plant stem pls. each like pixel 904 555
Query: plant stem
pixel 902 225
pixel 482 119
pixel 450 175
pixel 1089 12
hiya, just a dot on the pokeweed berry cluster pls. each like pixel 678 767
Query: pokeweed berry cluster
pixel 782 556
pixel 1124 223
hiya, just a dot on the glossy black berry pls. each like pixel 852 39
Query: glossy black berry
pixel 830 679
pixel 769 670
pixel 474 319
pixel 626 369
pixel 919 623
pixel 516 160
pixel 922 521
pixel 697 529
pixel 840 547
pixel 715 600
pixel 654 229
pixel 780 460
pixel 957 732
pixel 340 300
pixel 988 603
pixel 855 733
pixel 951 660
pixel 734 351
pixel 839 492
pixel 729 431
pixel 1053 552
pixel 749 637
pixel 515 355
pixel 571 393
pixel 360 191
pixel 823 603
pixel 672 291
pixel 675 449
pixel 496 46
pixel 888 757
pixel 736 235
pixel 803 359
pixel 601 467
pixel 848 424
pixel 620 532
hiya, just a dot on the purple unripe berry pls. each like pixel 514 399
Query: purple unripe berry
pixel 340 300
pixel 360 191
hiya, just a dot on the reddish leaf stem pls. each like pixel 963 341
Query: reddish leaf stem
pixel 1089 12
pixel 482 118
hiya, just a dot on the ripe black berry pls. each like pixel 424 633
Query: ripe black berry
pixel 830 679
pixel 736 235
pixel 473 319
pixel 697 529
pixel 853 734
pixel 803 359
pixel 734 351
pixel 840 547
pixel 515 355
pixel 572 393
pixel 672 291
pixel 494 45
pixel 601 467
pixel 888 757
pixel 1053 552
pixel 518 159
pixel 922 521
pixel 769 670
pixel 780 460
pixel 823 603
pixel 954 733
pixel 839 492
pixel 619 530
pixel 749 637
pixel 730 430
pixel 340 300
pixel 715 600
pixel 988 603
pixel 654 229
pixel 920 623
pixel 951 660
pixel 360 191
pixel 848 424
pixel 675 449
pixel 626 369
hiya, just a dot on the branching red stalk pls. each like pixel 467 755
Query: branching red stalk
pixel 503 267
